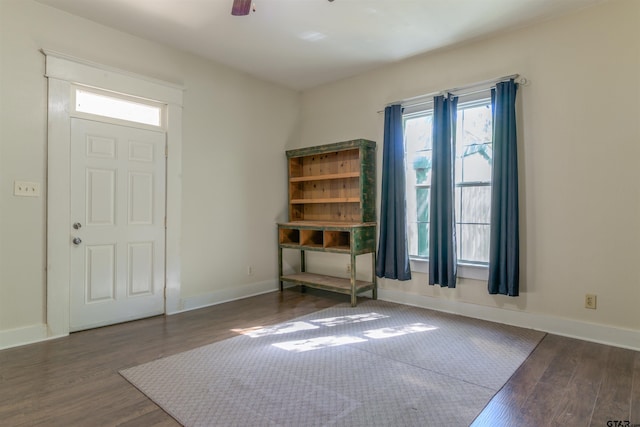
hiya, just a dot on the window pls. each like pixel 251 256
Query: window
pixel 89 101
pixel 472 180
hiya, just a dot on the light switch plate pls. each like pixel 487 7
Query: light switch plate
pixel 26 189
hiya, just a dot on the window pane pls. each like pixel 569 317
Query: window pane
pixel 418 143
pixel 476 205
pixel 422 197
pixel 474 125
pixel 458 167
pixel 474 243
pixel 476 163
pixel 419 164
pixel 412 233
pixel 423 239
pixel 473 147
pixel 417 133
pixel 117 108
pixel 457 200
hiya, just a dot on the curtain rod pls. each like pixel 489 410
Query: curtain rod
pixel 420 99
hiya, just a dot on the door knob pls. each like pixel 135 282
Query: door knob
pixel 77 240
pixel 77 225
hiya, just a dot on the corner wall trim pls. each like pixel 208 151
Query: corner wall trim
pixel 603 334
pixel 27 335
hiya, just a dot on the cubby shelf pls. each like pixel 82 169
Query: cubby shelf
pixel 325 177
pixel 326 200
pixel 331 209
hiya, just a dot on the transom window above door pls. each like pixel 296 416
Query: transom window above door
pixel 116 107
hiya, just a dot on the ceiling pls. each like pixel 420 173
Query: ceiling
pixel 304 43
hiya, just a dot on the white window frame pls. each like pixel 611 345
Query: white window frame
pixel 419 264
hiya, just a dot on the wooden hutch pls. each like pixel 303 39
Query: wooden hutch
pixel 331 209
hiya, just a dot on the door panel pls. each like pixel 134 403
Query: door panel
pixel 140 268
pixel 118 198
pixel 100 197
pixel 140 198
pixel 100 277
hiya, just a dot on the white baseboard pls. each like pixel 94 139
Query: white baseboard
pixel 37 333
pixel 226 295
pixel 22 336
pixel 603 334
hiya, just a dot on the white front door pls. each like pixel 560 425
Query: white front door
pixel 117 223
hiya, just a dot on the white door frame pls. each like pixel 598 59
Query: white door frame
pixel 62 71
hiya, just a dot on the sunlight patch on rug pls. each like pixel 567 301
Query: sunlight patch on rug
pixel 317 343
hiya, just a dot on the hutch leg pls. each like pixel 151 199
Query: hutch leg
pixel 303 268
pixel 354 298
pixel 280 268
pixel 374 279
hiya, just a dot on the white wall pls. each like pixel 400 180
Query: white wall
pixel 580 141
pixel 235 129
pixel 579 150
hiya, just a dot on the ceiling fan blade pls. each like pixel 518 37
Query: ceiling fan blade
pixel 241 7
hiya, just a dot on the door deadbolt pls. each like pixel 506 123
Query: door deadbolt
pixel 77 225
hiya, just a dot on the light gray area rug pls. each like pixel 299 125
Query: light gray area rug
pixel 377 364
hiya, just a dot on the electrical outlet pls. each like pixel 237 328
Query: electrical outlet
pixel 590 301
pixel 348 268
pixel 26 189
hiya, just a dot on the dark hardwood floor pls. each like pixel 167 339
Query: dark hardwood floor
pixel 74 381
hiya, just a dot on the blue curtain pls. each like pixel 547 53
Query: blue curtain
pixel 442 229
pixel 393 253
pixel 504 253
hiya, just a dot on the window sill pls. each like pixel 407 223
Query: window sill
pixel 465 271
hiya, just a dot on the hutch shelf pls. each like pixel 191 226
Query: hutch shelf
pixel 331 209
